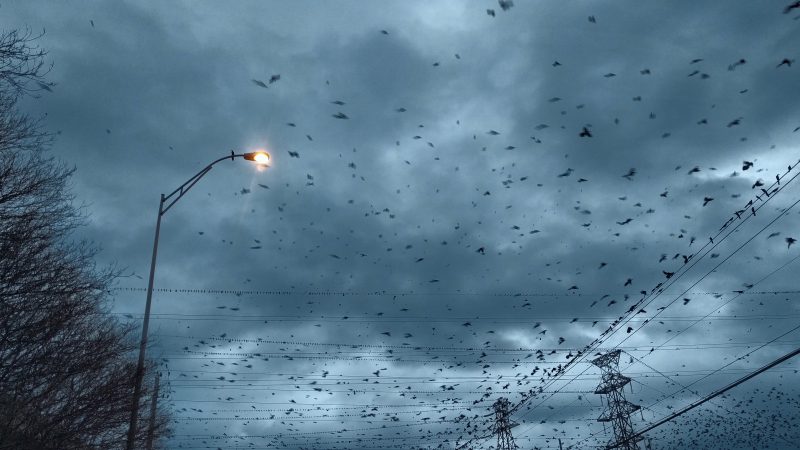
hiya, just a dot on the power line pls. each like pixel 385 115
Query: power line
pixel 659 289
pixel 716 393
pixel 720 263
pixel 241 292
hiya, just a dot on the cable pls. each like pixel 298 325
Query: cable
pixel 712 395
pixel 678 274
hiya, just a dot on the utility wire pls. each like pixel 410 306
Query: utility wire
pixel 716 393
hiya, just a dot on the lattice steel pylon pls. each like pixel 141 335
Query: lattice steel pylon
pixel 503 425
pixel 618 409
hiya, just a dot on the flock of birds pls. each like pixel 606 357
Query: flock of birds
pixel 417 365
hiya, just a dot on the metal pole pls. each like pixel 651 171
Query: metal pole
pixel 153 409
pixel 559 444
pixel 137 387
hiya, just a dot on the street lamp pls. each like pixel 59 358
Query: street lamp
pixel 261 158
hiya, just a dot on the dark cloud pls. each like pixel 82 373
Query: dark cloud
pixel 410 242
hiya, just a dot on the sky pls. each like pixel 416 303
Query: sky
pixel 462 197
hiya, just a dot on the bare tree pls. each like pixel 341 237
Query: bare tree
pixel 65 364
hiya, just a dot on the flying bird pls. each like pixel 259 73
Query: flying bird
pixel 790 7
pixel 734 122
pixel 259 83
pixel 585 133
pixel 790 241
pixel 630 174
pixel 340 115
pixel 737 64
pixel 505 5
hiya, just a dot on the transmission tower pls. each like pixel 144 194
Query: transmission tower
pixel 618 410
pixel 503 425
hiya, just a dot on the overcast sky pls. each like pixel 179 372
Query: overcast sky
pixel 495 184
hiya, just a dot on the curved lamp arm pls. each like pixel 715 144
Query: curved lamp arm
pixel 259 157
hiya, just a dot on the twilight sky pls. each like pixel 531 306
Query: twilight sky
pixel 496 191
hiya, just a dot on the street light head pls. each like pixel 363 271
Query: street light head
pixel 260 157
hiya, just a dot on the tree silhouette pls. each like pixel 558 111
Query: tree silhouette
pixel 65 364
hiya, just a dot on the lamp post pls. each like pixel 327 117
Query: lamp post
pixel 167 201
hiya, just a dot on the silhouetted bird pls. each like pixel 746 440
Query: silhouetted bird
pixel 630 174
pixel 505 5
pixel 737 64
